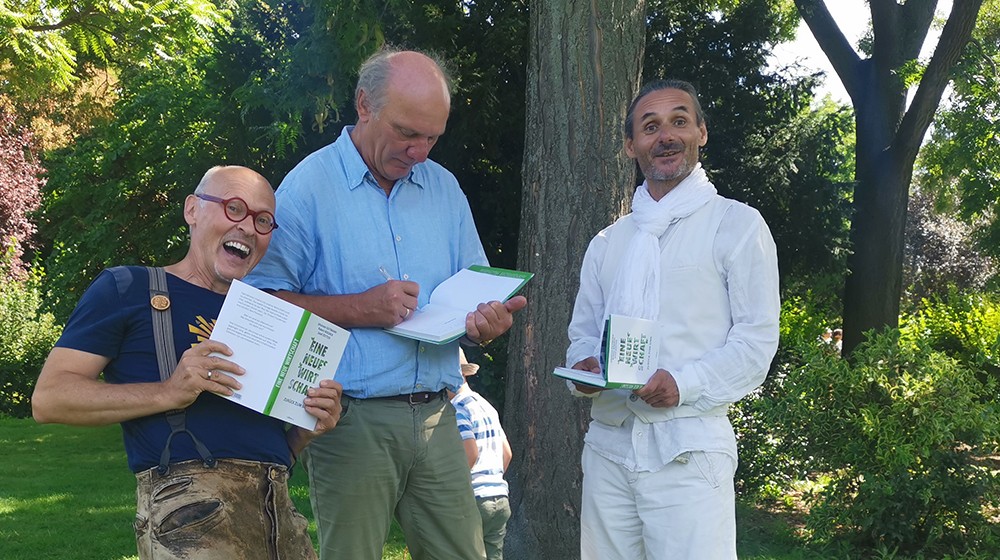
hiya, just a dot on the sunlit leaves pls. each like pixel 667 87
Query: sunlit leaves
pixel 44 43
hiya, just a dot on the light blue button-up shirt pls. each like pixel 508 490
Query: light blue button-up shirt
pixel 337 228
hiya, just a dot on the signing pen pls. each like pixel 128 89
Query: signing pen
pixel 385 273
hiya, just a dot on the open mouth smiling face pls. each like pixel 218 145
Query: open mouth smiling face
pixel 237 249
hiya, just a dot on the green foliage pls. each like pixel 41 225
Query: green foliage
pixel 310 61
pixel 905 434
pixel 43 44
pixel 26 336
pixel 962 160
pixel 965 326
pixel 770 458
pixel 115 195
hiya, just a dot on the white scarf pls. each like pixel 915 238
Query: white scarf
pixel 635 291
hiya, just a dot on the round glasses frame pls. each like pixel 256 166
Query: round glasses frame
pixel 263 221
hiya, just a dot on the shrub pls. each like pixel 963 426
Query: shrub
pixel 904 433
pixel 770 458
pixel 20 180
pixel 26 336
pixel 964 326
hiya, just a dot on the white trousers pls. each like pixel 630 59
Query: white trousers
pixel 685 511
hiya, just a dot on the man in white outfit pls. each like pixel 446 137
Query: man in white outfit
pixel 658 462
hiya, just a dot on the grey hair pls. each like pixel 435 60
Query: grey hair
pixel 375 72
pixel 658 85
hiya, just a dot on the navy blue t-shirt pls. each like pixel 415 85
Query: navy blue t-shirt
pixel 120 327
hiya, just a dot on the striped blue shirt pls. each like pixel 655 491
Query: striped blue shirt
pixel 477 419
pixel 337 227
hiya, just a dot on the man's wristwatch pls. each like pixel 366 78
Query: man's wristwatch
pixel 467 341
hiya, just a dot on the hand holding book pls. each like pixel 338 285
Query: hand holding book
pixel 492 319
pixel 629 353
pixel 588 365
pixel 660 391
pixel 455 307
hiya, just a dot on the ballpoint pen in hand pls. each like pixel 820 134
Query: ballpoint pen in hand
pixel 385 273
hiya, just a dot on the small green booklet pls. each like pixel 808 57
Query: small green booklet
pixel 442 320
pixel 284 349
pixel 629 351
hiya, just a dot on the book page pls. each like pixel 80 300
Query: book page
pixel 433 323
pixel 580 376
pixel 468 288
pixel 442 319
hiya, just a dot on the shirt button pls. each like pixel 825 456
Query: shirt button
pixel 406 277
pixel 423 348
pixel 399 238
pixel 633 398
pixel 639 434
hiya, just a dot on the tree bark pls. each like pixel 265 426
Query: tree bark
pixel 888 139
pixel 584 67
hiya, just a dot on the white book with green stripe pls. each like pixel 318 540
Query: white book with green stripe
pixel 629 352
pixel 284 349
pixel 442 319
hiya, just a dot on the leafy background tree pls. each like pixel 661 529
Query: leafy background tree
pixel 889 133
pixel 960 165
pixel 48 45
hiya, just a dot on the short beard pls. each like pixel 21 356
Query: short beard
pixel 685 169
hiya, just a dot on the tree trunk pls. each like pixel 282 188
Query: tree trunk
pixel 882 182
pixel 584 66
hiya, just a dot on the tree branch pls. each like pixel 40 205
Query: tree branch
pixel 956 34
pixel 831 39
pixel 918 16
pixel 76 18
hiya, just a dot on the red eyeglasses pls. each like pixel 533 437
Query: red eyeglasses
pixel 236 210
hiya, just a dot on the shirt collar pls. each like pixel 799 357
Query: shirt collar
pixel 357 169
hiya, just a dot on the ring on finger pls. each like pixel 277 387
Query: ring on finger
pixel 209 375
pixel 407 312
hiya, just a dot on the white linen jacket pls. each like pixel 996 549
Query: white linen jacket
pixel 719 309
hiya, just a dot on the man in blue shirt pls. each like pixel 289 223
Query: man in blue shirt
pixel 229 497
pixel 369 227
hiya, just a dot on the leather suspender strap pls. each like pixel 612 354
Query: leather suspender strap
pixel 166 359
pixel 163 332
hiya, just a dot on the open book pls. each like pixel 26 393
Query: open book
pixel 284 349
pixel 442 320
pixel 629 351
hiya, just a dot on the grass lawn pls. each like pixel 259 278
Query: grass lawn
pixel 66 493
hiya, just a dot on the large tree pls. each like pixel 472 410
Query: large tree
pixel 584 65
pixel 45 45
pixel 889 134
